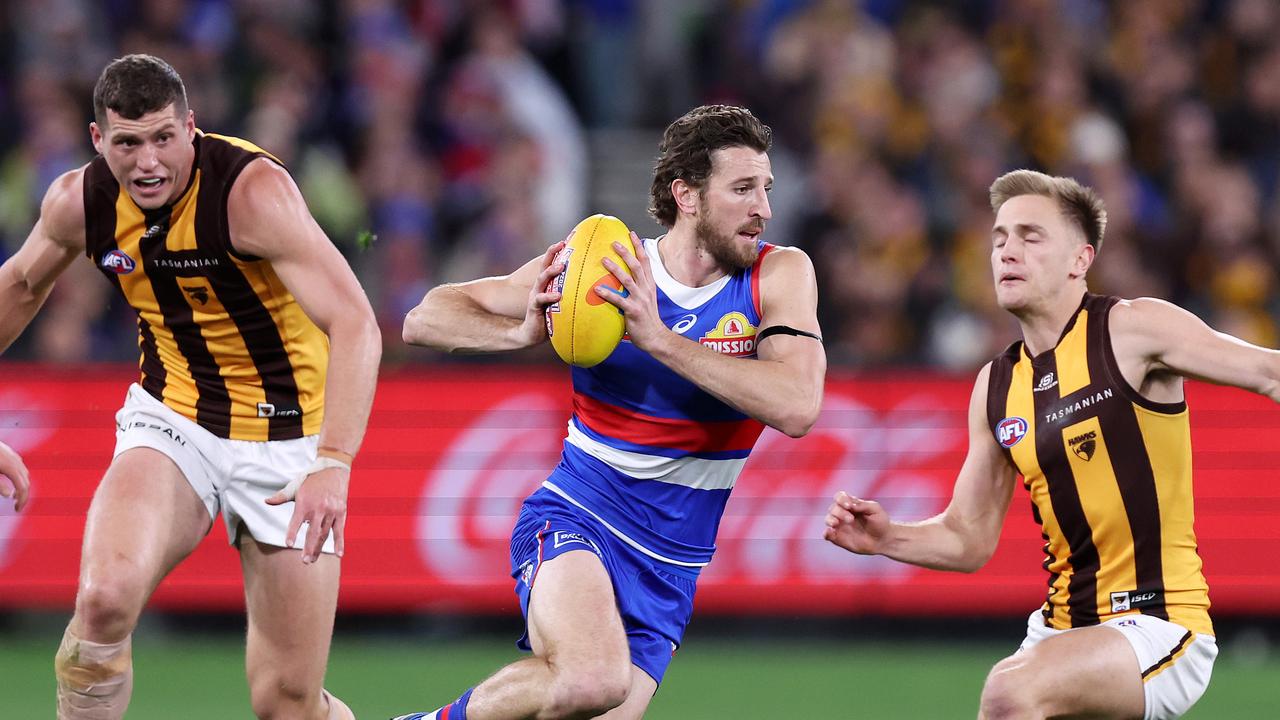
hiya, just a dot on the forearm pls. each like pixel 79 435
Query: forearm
pixel 1270 374
pixel 20 303
pixel 936 545
pixel 779 395
pixel 355 349
pixel 451 321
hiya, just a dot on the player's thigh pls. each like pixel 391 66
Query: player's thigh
pixel 642 689
pixel 1088 672
pixel 260 470
pixel 290 610
pixel 573 612
pixel 143 520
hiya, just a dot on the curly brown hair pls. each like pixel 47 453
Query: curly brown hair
pixel 687 145
pixel 135 85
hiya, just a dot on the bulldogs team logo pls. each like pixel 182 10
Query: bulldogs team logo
pixel 1010 431
pixel 733 335
pixel 118 262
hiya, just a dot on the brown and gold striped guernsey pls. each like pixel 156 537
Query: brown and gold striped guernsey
pixel 1109 473
pixel 222 341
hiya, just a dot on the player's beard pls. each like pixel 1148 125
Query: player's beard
pixel 725 247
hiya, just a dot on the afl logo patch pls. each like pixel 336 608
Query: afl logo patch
pixel 1010 431
pixel 118 262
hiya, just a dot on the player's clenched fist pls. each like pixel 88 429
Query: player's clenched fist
pixel 13 477
pixel 856 525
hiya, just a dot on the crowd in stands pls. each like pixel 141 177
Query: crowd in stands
pixel 457 132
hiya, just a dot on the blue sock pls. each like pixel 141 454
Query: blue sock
pixel 457 710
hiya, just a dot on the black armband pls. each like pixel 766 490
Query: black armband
pixel 784 330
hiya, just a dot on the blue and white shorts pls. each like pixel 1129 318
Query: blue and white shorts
pixel 655 599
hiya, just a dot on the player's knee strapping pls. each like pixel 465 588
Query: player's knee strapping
pixel 94 679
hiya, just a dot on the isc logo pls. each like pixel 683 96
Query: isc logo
pixel 1010 431
pixel 269 410
pixel 118 263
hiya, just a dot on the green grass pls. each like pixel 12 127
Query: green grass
pixel 201 678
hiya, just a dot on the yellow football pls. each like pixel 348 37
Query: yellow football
pixel 584 327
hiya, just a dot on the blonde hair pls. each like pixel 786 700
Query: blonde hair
pixel 1079 203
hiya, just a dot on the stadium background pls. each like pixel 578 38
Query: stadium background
pixel 467 135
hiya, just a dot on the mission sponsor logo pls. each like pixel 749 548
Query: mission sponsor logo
pixel 118 262
pixel 1010 431
pixel 1084 445
pixel 733 335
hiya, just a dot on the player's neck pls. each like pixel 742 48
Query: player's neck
pixel 1042 325
pixel 686 260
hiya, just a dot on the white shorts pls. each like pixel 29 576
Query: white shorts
pixel 1175 663
pixel 232 476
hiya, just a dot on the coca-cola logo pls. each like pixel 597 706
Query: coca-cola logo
pixel 471 498
pixel 772 526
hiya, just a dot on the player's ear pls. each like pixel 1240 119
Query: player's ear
pixel 685 195
pixel 95 136
pixel 1083 260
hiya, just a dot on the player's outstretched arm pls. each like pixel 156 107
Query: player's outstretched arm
pixel 1165 337
pixel 14 480
pixel 963 536
pixel 269 218
pixel 26 279
pixel 491 314
pixel 783 386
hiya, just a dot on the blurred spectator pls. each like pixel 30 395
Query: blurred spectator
pixel 454 131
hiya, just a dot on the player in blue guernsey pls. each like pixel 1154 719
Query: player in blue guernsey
pixel 722 339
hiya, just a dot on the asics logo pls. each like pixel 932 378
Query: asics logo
pixel 684 323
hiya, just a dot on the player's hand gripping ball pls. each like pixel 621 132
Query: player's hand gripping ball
pixel 583 327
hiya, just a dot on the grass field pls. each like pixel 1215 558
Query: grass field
pixel 199 677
